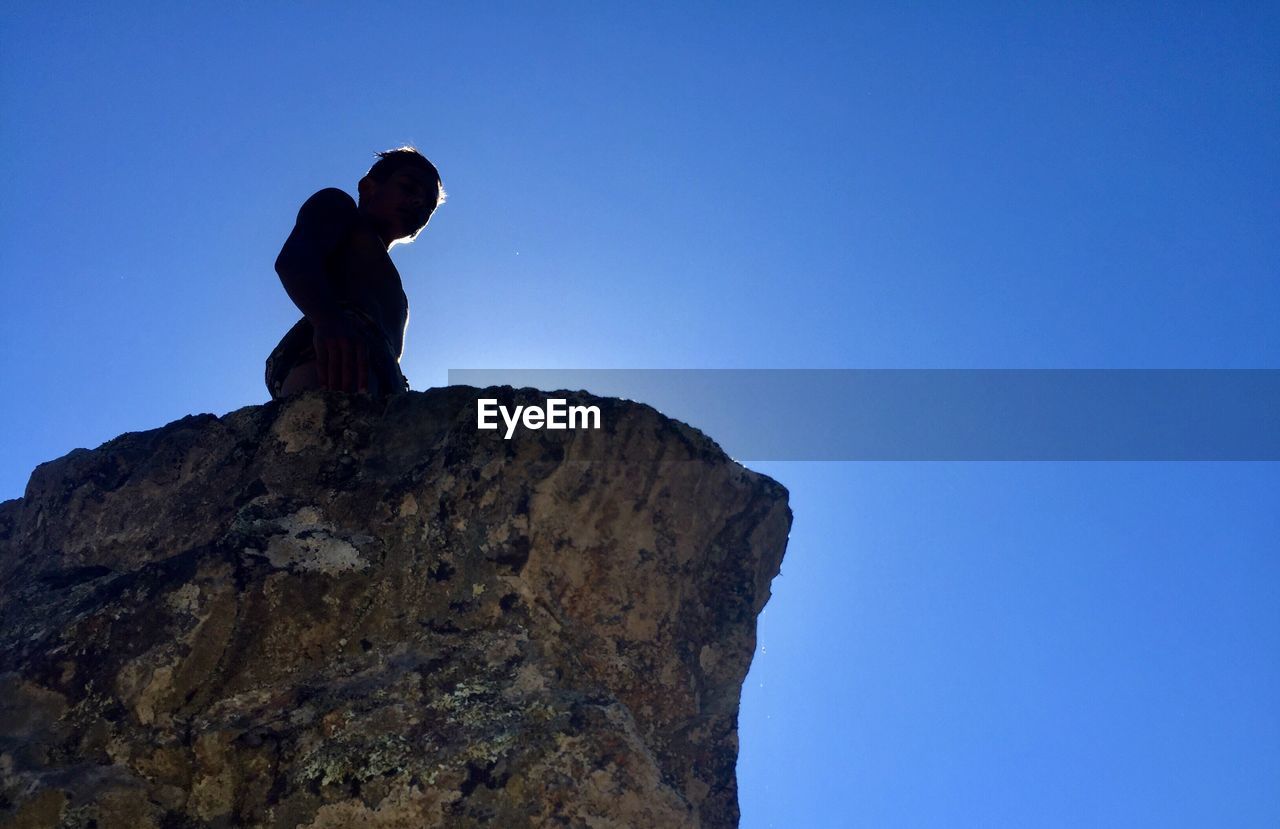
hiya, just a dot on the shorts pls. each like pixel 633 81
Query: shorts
pixel 297 348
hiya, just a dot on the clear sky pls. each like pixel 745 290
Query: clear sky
pixel 747 185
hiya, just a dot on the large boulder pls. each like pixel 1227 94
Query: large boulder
pixel 333 612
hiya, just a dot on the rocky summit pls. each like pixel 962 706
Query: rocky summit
pixel 331 611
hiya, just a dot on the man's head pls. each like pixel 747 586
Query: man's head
pixel 400 192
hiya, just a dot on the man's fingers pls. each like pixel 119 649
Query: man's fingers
pixel 322 365
pixel 322 358
pixel 362 366
pixel 348 365
pixel 335 365
pixel 342 363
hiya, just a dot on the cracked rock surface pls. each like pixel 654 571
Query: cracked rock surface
pixel 333 612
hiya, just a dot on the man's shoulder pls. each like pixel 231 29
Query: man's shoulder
pixel 328 214
pixel 330 199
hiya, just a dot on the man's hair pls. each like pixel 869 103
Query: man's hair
pixel 391 160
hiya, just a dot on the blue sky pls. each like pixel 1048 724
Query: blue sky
pixel 747 185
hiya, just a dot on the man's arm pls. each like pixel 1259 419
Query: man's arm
pixel 325 220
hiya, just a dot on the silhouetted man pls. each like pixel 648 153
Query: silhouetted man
pixel 336 268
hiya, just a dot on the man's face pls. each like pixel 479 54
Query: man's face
pixel 401 204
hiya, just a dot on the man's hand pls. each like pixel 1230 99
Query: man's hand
pixel 342 356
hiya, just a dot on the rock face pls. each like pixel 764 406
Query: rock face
pixel 331 612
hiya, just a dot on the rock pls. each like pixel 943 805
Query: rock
pixel 331 612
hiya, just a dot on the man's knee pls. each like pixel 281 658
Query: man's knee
pixel 306 376
pixel 302 377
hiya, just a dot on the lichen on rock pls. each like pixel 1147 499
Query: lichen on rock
pixel 333 612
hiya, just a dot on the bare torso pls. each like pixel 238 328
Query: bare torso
pixel 366 277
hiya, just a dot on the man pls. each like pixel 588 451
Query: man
pixel 336 268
